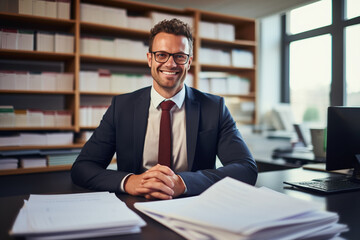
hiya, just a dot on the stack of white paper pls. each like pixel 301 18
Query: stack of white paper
pixel 231 209
pixel 45 41
pixel 33 162
pixel 226 31
pixel 8 163
pixel 10 140
pixel 208 30
pixel 64 43
pixel 138 22
pixel 39 8
pixel 7 116
pixel 62 159
pixel 103 15
pixel 214 56
pixel 63 9
pixel 44 8
pixel 69 216
pixel 91 115
pixel 25 40
pixel 242 58
pixel 9 39
pixel 29 139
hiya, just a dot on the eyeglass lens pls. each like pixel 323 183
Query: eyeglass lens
pixel 163 57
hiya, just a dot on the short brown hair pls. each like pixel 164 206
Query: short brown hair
pixel 173 26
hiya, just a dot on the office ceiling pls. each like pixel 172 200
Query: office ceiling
pixel 244 8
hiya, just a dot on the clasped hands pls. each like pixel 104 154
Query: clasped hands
pixel 159 182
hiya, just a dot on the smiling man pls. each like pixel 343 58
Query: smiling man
pixel 157 163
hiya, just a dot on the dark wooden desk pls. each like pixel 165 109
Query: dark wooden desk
pixel 20 186
pixel 347 205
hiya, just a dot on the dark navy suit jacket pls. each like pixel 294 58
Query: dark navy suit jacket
pixel 210 131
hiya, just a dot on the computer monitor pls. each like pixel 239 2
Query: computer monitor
pixel 343 139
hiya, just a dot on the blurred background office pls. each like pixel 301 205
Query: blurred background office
pixel 301 56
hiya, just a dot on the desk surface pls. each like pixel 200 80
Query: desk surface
pixel 345 204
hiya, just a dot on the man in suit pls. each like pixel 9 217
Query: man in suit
pixel 202 128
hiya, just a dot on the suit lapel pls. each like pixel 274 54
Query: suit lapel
pixel 141 113
pixel 192 108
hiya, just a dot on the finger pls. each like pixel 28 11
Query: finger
pixel 158 176
pixel 164 169
pixel 150 194
pixel 157 187
pixel 157 195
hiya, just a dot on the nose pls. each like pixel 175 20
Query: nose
pixel 171 62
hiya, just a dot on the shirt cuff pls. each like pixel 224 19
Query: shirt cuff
pixel 122 187
pixel 183 183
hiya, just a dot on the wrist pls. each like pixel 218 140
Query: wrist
pixel 181 186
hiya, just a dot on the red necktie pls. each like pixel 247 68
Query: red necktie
pixel 164 157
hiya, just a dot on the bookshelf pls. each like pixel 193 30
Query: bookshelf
pixel 78 61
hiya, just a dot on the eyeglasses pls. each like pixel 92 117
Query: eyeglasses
pixel 163 57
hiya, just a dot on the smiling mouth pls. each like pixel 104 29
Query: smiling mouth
pixel 169 72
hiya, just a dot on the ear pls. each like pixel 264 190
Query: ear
pixel 149 58
pixel 189 62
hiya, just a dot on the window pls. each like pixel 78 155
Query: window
pixel 314 74
pixel 352 8
pixel 309 17
pixel 352 65
pixel 310 78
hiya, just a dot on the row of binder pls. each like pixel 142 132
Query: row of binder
pixel 120 18
pixel 104 81
pixel 44 8
pixel 40 81
pixel 221 31
pixel 114 47
pixel 34 118
pixel 40 41
pixel 91 116
pixel 235 57
pixel 223 83
pixel 38 139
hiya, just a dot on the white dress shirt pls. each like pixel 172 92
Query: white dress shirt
pixel 178 133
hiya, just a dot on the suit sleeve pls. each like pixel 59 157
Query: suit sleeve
pixel 89 170
pixel 233 153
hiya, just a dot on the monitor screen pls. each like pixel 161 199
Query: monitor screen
pixel 343 138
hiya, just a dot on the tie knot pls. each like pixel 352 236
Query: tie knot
pixel 166 105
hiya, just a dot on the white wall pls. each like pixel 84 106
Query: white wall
pixel 269 66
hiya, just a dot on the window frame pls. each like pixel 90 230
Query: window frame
pixel 337 32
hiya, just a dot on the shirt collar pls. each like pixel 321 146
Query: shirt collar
pixel 178 99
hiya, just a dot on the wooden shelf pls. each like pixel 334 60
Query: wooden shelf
pixel 111 60
pixel 40 169
pixel 24 21
pixel 245 36
pixel 99 93
pixel 59 128
pixel 35 170
pixel 220 68
pixel 244 44
pixel 35 55
pixel 19 148
pixel 37 92
pixel 100 29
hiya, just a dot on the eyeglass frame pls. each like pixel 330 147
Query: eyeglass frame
pixel 171 55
